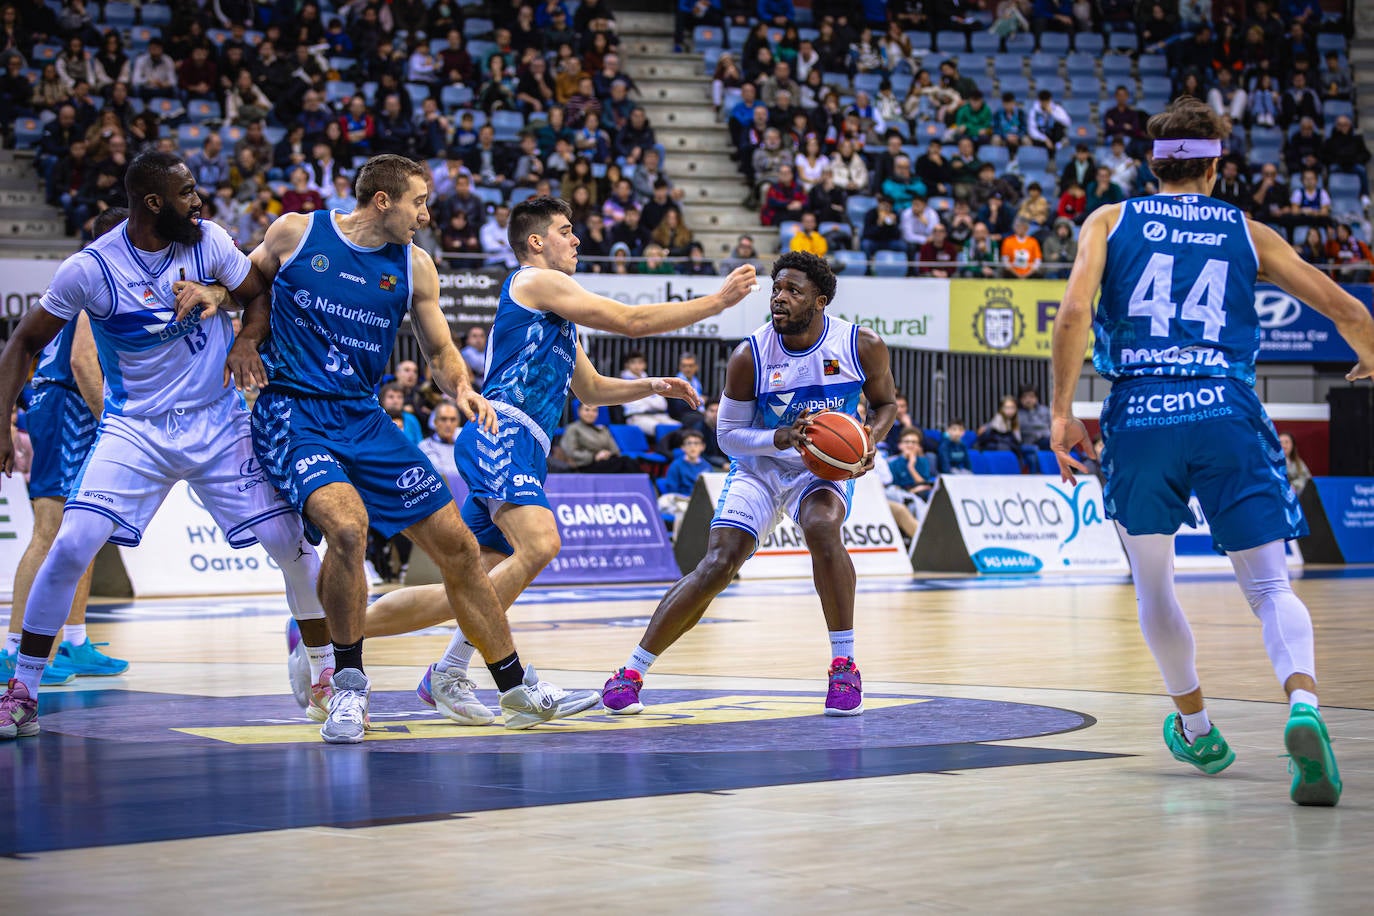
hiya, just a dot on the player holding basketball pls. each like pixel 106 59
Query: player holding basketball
pixel 801 362
pixel 533 358
pixel 62 416
pixel 1177 333
pixel 168 415
pixel 341 284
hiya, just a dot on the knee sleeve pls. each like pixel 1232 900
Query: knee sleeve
pixel 1263 575
pixel 78 540
pixel 283 537
pixel 1162 623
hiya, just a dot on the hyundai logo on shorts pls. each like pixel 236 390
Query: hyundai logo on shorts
pixel 411 478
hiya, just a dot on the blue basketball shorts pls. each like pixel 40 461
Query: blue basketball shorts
pixel 62 429
pixel 1165 439
pixel 305 443
pixel 508 466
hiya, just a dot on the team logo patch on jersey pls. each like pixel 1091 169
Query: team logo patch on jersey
pixel 832 366
pixel 149 297
pixel 320 263
pixel 775 378
pixel 998 324
pixel 1154 231
pixel 389 282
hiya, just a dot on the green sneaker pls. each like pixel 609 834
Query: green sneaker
pixel 1316 780
pixel 1210 753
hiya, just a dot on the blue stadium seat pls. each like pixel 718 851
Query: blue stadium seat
pixel 1152 104
pixel 418 93
pixel 901 84
pixel 273 134
pixel 984 42
pixel 336 91
pixel 1089 43
pixel 43 54
pixel 854 261
pixel 507 125
pixel 1048 463
pixel 786 230
pixel 1153 65
pixel 156 14
pixel 1002 462
pixel 489 196
pixel 166 109
pixel 27 132
pixel 739 34
pixel 1334 108
pixel 519 194
pixel 1079 109
pixel 191 136
pixel 709 58
pixel 707 36
pixel 834 227
pixel 934 435
pixel 1014 83
pixel 201 110
pixel 1122 41
pixel 663 430
pixel 218 36
pixel 1080 65
pixel 634 444
pixel 231 134
pixel 1007 64
pixel 858 206
pixel 1155 86
pixel 480 50
pixel 1057 85
pixel 118 14
pixel 478 28
pixel 1330 41
pixel 996 155
pixel 978 461
pixel 1032 159
pixel 1043 63
pixel 343 64
pixel 1116 69
pixel 455 96
pixel 867 82
pixel 1342 184
pixel 838 80
pixel 1054 43
pixel 889 264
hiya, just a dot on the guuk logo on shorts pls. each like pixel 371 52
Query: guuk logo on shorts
pixel 305 463
pixel 411 478
pixel 320 263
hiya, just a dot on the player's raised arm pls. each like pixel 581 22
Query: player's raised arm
pixel 446 364
pixel 591 387
pixel 553 291
pixel 1072 328
pixel 1280 264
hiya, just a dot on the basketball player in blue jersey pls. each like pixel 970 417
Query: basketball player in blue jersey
pixel 341 285
pixel 533 359
pixel 62 416
pixel 168 414
pixel 1176 331
pixel 802 362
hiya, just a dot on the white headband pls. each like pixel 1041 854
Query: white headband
pixel 1187 148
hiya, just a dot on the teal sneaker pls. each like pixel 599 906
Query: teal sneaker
pixel 86 660
pixel 1316 780
pixel 55 674
pixel 1209 753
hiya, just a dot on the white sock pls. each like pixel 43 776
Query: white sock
pixel 75 633
pixel 29 671
pixel 841 643
pixel 458 654
pixel 1195 725
pixel 321 657
pixel 1303 696
pixel 12 643
pixel 640 660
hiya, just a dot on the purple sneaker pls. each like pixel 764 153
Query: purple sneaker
pixel 620 696
pixel 18 712
pixel 846 694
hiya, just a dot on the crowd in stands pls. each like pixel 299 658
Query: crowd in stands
pixel 855 133
pixel 275 104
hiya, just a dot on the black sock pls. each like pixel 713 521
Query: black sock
pixel 35 645
pixel 508 672
pixel 348 656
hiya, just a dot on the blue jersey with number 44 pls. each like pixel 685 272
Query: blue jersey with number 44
pixel 1178 292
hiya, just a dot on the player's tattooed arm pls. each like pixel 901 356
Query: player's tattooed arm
pixel 446 364
pixel 880 389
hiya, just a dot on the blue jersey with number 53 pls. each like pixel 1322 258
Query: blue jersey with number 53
pixel 1178 292
pixel 336 309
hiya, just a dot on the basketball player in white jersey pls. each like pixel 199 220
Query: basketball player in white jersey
pixel 168 414
pixel 800 363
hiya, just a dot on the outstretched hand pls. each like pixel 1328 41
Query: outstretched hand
pixel 191 295
pixel 1363 369
pixel 676 388
pixel 741 282
pixel 1067 433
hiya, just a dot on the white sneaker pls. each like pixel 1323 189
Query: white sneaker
pixel 347 722
pixel 452 692
pixel 536 701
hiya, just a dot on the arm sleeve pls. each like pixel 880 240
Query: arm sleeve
pixel 78 283
pixel 737 433
pixel 223 261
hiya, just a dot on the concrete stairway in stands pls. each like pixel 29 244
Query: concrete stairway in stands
pixel 29 228
pixel 676 94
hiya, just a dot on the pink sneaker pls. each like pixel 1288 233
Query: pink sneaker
pixel 620 696
pixel 846 694
pixel 18 713
pixel 317 710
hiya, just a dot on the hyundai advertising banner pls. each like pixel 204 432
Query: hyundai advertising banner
pixel 1293 332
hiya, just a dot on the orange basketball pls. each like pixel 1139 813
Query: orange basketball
pixel 837 446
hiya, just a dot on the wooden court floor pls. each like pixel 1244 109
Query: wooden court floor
pixel 1010 760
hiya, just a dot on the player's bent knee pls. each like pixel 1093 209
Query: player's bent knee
pixel 718 568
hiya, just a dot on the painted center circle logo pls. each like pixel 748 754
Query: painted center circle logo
pixel 320 263
pixel 411 477
pixel 1154 231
